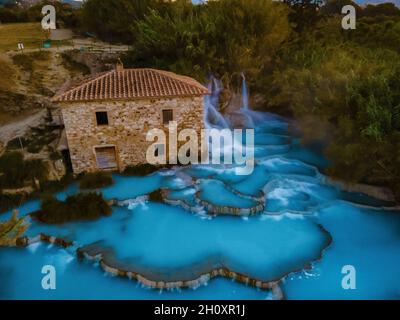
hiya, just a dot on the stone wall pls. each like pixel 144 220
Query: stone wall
pixel 129 122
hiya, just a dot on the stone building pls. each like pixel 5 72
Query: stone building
pixel 108 115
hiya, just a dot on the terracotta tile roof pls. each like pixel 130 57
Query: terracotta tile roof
pixel 132 84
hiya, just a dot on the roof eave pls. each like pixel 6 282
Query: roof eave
pixel 55 100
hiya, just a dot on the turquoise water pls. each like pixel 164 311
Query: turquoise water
pixel 210 188
pixel 164 242
pixel 79 280
pixel 369 240
pixel 187 195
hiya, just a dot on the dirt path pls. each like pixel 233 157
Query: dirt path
pixel 85 44
pixel 20 125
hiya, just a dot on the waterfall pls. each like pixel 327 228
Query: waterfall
pixel 245 110
pixel 216 89
pixel 245 94
pixel 213 118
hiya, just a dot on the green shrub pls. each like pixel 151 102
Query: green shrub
pixel 12 169
pixel 14 158
pixel 48 187
pixel 8 201
pixel 140 170
pixel 15 172
pixel 156 195
pixel 96 180
pixel 82 206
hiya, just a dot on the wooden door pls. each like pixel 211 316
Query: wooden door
pixel 106 158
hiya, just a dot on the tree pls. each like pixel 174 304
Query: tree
pixel 114 20
pixel 223 38
pixel 387 9
pixel 305 13
pixel 332 7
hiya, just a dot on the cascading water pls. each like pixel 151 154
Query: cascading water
pixel 253 117
pixel 245 104
pixel 245 94
pixel 216 88
pixel 213 118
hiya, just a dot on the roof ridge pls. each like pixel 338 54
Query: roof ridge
pixel 177 77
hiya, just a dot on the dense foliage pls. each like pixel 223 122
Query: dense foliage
pixel 342 86
pixel 114 20
pixel 222 38
pixel 95 180
pixel 82 206
pixel 15 171
pixel 347 84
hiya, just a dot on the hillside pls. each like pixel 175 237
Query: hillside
pixel 30 34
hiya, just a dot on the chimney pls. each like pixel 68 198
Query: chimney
pixel 119 66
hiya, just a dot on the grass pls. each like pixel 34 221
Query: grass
pixel 26 61
pixel 30 34
pixel 31 65
pixel 7 71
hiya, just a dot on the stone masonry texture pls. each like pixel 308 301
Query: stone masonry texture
pixel 129 122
